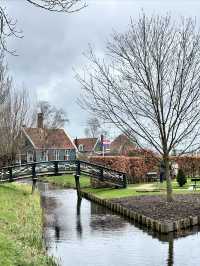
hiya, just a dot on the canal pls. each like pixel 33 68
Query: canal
pixel 86 234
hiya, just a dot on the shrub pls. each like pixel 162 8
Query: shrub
pixel 181 178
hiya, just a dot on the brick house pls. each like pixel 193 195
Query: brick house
pixel 44 144
pixel 122 145
pixel 88 146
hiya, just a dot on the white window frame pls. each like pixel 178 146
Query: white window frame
pixel 46 156
pixel 57 154
pixel 67 154
pixel 80 147
pixel 28 155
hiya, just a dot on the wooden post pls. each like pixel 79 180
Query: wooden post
pixel 10 174
pixel 78 188
pixel 56 167
pixel 124 181
pixel 34 178
pixel 78 168
pixel 101 174
pixel 33 170
pixel 78 206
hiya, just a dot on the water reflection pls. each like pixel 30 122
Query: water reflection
pixel 170 260
pixel 104 220
pixel 83 233
pixel 78 218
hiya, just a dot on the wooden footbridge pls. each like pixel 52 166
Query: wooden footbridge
pixel 34 170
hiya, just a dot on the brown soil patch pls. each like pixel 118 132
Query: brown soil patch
pixel 156 207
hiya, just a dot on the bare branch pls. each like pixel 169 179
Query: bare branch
pixel 150 84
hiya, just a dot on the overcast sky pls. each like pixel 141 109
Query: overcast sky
pixel 53 45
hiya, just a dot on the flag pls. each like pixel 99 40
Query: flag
pixel 106 142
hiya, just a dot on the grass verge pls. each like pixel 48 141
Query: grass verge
pixel 140 189
pixel 21 227
pixel 66 181
pixel 154 188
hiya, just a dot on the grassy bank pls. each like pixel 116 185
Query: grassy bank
pixel 21 227
pixel 140 189
pixel 66 181
pixel 154 188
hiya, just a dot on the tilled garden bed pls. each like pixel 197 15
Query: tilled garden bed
pixel 156 207
pixel 155 212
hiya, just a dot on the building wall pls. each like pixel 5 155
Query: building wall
pixel 28 152
pixel 61 155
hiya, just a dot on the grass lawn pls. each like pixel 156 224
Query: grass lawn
pixel 21 227
pixel 67 181
pixel 140 189
pixel 132 190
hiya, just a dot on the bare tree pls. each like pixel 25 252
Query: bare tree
pixel 14 106
pixel 53 117
pixel 67 6
pixel 150 85
pixel 8 25
pixel 93 127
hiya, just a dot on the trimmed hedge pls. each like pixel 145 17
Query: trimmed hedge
pixel 135 167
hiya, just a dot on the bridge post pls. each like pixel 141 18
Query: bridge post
pixel 78 168
pixel 33 170
pixel 56 167
pixel 34 177
pixel 124 181
pixel 10 174
pixel 101 173
pixel 78 188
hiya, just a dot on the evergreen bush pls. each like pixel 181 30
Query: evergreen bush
pixel 181 178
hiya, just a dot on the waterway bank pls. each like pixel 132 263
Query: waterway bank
pixel 21 240
pixel 66 181
pixel 155 212
pixel 146 203
pixel 86 233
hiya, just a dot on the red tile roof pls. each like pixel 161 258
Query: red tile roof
pixel 122 144
pixel 49 138
pixel 88 143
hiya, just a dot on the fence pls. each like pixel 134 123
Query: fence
pixel 35 169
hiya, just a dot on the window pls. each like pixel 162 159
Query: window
pixel 29 157
pixel 80 147
pixel 56 154
pixel 67 155
pixel 46 155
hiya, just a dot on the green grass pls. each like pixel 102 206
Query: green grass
pixel 140 189
pixel 67 181
pixel 132 190
pixel 21 241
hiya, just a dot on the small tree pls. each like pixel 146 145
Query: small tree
pixel 181 178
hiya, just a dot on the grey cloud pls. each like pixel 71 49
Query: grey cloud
pixel 53 44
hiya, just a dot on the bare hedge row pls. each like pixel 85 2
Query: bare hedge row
pixel 135 167
pixel 138 167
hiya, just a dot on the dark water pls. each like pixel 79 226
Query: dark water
pixel 86 234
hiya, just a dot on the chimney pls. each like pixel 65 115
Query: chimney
pixel 40 120
pixel 102 138
pixel 76 142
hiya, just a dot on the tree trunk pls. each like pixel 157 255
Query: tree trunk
pixel 168 178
